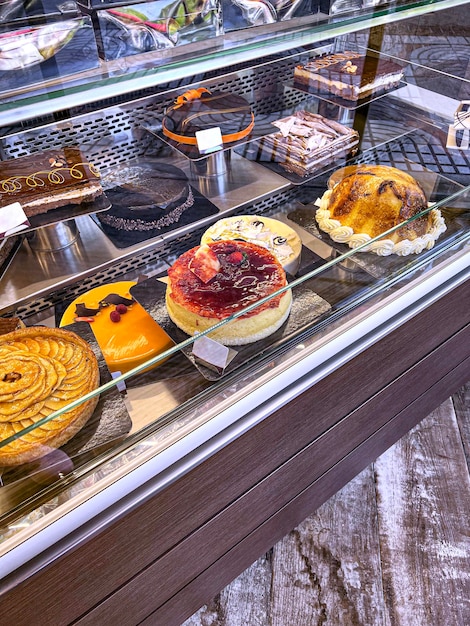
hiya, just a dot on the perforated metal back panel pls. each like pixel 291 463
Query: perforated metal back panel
pixel 100 133
pixel 113 133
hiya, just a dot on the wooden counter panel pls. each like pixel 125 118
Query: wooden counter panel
pixel 103 563
pixel 199 551
pixel 203 589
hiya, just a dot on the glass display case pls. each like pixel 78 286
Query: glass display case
pixel 184 436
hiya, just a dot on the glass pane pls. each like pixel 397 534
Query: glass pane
pixel 181 385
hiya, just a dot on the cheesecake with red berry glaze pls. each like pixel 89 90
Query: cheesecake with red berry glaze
pixel 211 282
pixel 127 335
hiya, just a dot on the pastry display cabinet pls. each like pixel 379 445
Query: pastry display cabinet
pixel 186 475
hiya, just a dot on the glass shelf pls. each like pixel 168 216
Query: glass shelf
pixel 129 75
pixel 332 283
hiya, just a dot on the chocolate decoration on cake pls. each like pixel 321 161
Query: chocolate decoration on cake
pixel 200 109
pixel 115 298
pixel 49 180
pixel 81 310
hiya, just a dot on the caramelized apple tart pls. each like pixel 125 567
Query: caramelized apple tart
pixel 43 370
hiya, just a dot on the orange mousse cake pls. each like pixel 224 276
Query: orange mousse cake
pixel 209 283
pixel 127 335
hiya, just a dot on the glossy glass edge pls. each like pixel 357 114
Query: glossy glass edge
pixel 190 340
pixel 104 472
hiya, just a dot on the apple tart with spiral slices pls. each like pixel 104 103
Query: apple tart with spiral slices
pixel 42 370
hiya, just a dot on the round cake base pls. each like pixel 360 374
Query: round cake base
pixel 237 332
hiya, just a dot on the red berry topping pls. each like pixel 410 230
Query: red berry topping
pixel 121 309
pixel 235 257
pixel 114 316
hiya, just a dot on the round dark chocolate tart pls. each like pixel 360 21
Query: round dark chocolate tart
pixel 154 196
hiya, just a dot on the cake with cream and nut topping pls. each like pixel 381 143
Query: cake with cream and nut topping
pixel 349 75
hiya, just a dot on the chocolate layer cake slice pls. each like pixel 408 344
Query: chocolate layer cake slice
pixel 9 324
pixel 48 180
pixel 349 75
pixel 307 141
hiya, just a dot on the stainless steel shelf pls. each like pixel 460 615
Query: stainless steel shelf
pixel 34 274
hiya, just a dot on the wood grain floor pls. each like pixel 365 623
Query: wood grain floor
pixel 392 548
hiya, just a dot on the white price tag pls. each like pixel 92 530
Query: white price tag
pixel 462 116
pixel 121 385
pixel 209 140
pixel 12 219
pixel 458 139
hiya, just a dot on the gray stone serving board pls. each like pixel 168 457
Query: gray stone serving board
pixel 307 308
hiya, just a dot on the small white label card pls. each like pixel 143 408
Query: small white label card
pixel 462 115
pixel 458 139
pixel 209 140
pixel 121 385
pixel 12 219
pixel 458 136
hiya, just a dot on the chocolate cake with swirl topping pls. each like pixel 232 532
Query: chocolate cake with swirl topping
pixel 49 180
pixel 200 109
pixel 349 75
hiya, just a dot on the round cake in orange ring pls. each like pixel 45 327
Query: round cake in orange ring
pixel 209 283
